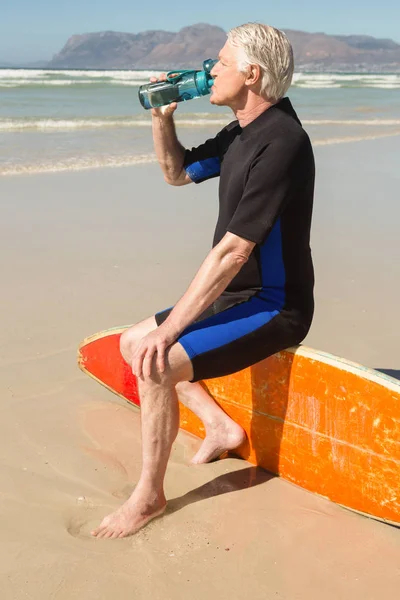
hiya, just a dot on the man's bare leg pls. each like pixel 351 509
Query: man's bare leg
pixel 222 433
pixel 160 424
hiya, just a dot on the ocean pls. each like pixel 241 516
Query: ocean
pixel 60 120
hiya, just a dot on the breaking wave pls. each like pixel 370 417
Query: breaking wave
pixel 28 124
pixel 14 78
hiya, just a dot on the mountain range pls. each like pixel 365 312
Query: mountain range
pixel 191 45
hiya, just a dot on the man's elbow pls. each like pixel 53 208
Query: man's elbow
pixel 233 252
pixel 234 260
pixel 176 181
pixel 236 250
pixel 238 258
pixel 170 181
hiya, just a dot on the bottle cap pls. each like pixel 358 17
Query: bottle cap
pixel 205 81
pixel 208 64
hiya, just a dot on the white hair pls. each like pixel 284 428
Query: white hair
pixel 271 50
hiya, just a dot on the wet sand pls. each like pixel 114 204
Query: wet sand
pixel 84 251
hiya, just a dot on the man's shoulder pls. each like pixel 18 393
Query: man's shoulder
pixel 279 125
pixel 289 134
pixel 287 131
pixel 285 142
pixel 287 126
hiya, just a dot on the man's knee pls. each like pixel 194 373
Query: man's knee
pixel 127 344
pixel 178 369
pixel 132 336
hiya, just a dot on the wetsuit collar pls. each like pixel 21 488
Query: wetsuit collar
pixel 270 115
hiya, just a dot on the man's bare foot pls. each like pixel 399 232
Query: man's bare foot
pixel 134 514
pixel 220 438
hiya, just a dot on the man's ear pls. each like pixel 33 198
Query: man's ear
pixel 253 74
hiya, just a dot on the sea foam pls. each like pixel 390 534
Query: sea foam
pixel 70 77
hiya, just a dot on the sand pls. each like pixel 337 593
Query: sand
pixel 84 251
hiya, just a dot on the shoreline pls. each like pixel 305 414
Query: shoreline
pixel 150 158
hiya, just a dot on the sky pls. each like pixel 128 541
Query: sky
pixel 34 30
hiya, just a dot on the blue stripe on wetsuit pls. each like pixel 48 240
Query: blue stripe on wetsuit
pixel 240 320
pixel 273 274
pixel 204 169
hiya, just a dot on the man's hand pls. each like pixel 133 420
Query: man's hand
pixel 156 342
pixel 163 111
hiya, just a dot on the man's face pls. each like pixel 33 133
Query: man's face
pixel 229 88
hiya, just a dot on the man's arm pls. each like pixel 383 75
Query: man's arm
pixel 204 161
pixel 219 268
pixel 221 265
pixel 169 151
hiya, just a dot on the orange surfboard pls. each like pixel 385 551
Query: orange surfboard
pixel 326 424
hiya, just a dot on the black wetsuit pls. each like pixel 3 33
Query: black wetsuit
pixel 266 193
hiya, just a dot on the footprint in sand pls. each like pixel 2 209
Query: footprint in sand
pixel 81 525
pixel 86 517
pixel 89 514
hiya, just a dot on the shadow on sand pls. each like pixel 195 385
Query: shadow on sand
pixel 260 404
pixel 224 484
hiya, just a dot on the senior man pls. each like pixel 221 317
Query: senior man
pixel 253 294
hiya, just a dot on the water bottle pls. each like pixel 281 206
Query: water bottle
pixel 179 86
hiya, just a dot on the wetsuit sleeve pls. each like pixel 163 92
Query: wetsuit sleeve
pixel 273 178
pixel 203 162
